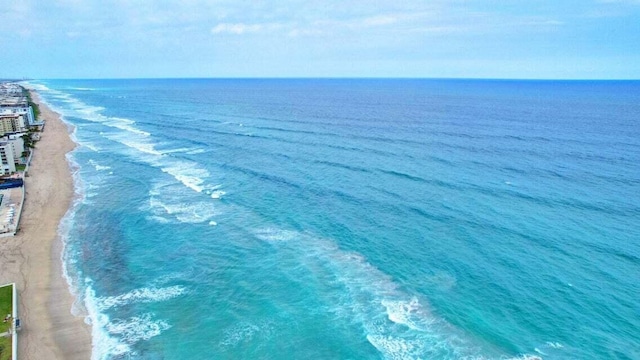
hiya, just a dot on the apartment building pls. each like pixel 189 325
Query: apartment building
pixel 17 145
pixel 7 159
pixel 11 123
pixel 14 102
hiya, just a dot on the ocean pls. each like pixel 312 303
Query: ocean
pixel 354 218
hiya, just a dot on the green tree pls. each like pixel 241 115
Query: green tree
pixel 28 142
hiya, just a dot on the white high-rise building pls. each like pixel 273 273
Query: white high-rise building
pixel 17 145
pixel 7 159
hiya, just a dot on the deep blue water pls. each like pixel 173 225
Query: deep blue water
pixel 355 219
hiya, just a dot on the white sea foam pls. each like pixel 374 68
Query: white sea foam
pixel 191 177
pixel 178 150
pixel 213 223
pixel 217 194
pixel 90 112
pixel 141 144
pixel 64 228
pixel 104 345
pixel 99 167
pixel 63 97
pixel 394 348
pixel 137 328
pixel 555 345
pixel 141 295
pixel 168 200
pixel 196 151
pixel 89 146
pixel 245 332
pixel 239 333
pixel 127 125
pixel 193 213
pixel 405 312
pixel 159 219
pixel 91 189
pixel 275 235
pixel 113 337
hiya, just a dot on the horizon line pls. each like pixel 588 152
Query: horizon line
pixel 321 78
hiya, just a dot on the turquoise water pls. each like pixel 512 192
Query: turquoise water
pixel 354 219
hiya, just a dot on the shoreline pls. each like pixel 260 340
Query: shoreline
pixel 32 259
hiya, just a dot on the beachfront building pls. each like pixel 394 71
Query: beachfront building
pixel 14 102
pixel 17 106
pixel 7 159
pixel 16 141
pixel 7 88
pixel 11 123
pixel 23 110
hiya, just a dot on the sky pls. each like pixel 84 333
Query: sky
pixel 521 39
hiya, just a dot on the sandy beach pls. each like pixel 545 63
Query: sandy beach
pixel 31 259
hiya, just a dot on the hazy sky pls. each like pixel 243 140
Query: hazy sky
pixel 329 38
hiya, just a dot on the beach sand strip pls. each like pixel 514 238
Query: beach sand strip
pixel 31 259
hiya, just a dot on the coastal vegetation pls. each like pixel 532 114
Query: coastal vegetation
pixel 34 106
pixel 6 307
pixel 28 141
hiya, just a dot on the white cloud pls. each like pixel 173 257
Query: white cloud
pixel 356 23
pixel 242 28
